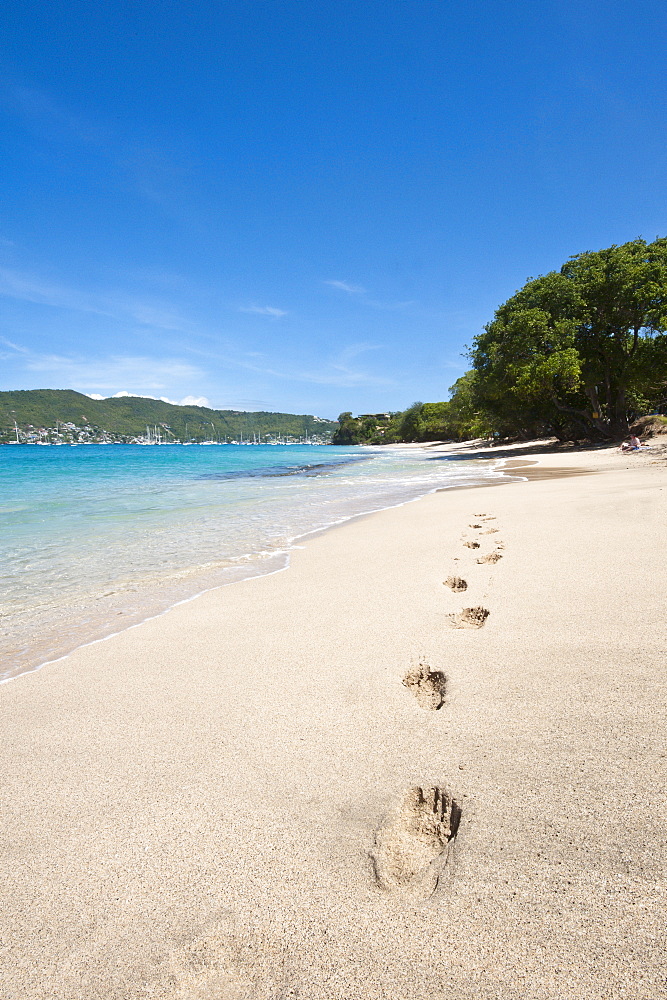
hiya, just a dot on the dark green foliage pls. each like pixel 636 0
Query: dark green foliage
pixel 452 420
pixel 348 430
pixel 580 352
pixel 369 428
pixel 412 423
pixel 129 415
pixel 467 418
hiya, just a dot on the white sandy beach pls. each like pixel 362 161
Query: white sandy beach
pixel 215 804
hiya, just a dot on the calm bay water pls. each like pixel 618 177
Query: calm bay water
pixel 96 538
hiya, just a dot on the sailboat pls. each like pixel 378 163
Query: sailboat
pixel 18 440
pixel 211 441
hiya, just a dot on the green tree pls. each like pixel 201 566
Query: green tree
pixel 348 431
pixel 580 351
pixel 411 423
pixel 466 416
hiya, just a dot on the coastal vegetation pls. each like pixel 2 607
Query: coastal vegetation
pixel 53 415
pixel 579 353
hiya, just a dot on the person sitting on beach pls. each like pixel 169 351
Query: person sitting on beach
pixel 634 444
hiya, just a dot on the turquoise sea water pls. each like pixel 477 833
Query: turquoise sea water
pixel 96 538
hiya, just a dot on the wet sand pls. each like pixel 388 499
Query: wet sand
pixel 243 799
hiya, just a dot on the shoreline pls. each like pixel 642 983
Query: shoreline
pixel 506 466
pixel 218 805
pixel 253 568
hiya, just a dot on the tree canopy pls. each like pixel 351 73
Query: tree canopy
pixel 581 351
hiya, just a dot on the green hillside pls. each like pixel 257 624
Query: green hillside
pixel 128 417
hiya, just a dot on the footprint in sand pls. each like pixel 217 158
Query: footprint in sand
pixel 475 525
pixel 491 531
pixel 472 545
pixel 428 686
pixel 411 850
pixel 490 557
pixel 469 618
pixel 212 965
pixel 456 583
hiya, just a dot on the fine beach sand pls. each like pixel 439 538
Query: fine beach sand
pixel 242 799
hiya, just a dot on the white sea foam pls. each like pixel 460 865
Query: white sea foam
pixel 102 538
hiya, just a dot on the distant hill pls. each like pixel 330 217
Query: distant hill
pixel 128 416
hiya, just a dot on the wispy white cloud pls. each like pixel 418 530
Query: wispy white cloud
pixel 30 288
pixel 118 305
pixel 360 292
pixel 354 350
pixel 160 315
pixel 141 374
pixel 146 376
pixel 345 286
pixel 344 378
pixel 42 110
pixel 154 174
pixel 341 372
pixel 14 347
pixel 337 371
pixel 390 306
pixel 264 311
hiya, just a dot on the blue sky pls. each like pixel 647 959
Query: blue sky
pixel 307 206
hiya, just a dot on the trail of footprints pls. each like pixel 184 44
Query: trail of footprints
pixel 412 848
pixel 475 617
